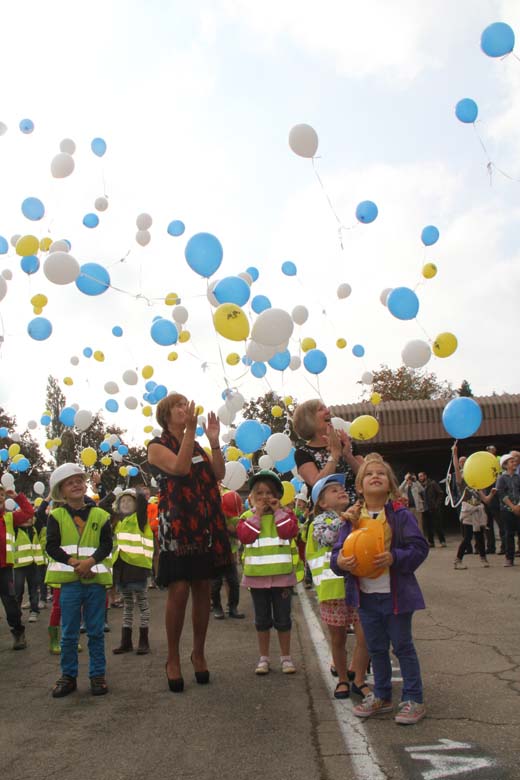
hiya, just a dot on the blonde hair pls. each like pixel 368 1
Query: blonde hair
pixel 165 406
pixel 392 479
pixel 304 418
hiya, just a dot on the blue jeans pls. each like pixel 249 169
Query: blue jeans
pixel 381 627
pixel 73 597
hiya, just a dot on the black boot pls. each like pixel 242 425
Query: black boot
pixel 143 647
pixel 218 612
pixel 126 642
pixel 20 642
pixel 234 613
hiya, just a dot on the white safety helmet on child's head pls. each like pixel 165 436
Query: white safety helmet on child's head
pixel 128 492
pixel 62 473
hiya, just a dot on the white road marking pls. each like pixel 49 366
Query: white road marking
pixel 361 753
pixel 447 766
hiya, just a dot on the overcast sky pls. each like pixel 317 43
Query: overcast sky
pixel 195 102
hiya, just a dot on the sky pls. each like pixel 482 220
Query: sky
pixel 195 102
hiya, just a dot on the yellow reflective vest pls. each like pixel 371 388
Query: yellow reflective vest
pixel 80 547
pixel 9 538
pixel 133 545
pixel 327 584
pixel 26 550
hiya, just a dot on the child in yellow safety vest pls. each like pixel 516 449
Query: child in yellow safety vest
pixel 133 555
pixel 330 499
pixel 266 532
pixel 28 557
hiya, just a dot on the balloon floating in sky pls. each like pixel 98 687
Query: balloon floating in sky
pixel 466 110
pixel 462 417
pixel 416 353
pixel 403 303
pixel 232 289
pixel 176 228
pixel 253 272
pixel 91 220
pixel 272 327
pixel 98 146
pixel 39 328
pixel 164 332
pixel 231 322
pixel 444 345
pixel 30 264
pixel 61 268
pixel 62 165
pixel 366 212
pixel 430 235
pixel 4 246
pixel 27 245
pixel 497 40
pixel 117 331
pixel 260 303
pixel 33 209
pixel 94 279
pixel 303 140
pixel 289 268
pixel 344 291
pixel 358 350
pixel 315 361
pixel 26 126
pixel 429 270
pixel 204 254
pixel 258 370
pixel 280 361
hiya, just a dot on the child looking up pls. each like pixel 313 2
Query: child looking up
pixel 389 597
pixel 266 532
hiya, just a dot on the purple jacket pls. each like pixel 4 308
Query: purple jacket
pixel 409 549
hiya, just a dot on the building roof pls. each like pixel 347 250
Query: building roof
pixel 409 421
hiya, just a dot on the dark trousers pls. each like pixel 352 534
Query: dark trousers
pixel 42 587
pixel 512 527
pixel 272 608
pixel 465 545
pixel 13 612
pixel 31 576
pixel 432 519
pixel 230 575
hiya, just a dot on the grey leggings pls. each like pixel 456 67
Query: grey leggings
pixel 141 596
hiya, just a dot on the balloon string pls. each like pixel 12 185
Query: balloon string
pixel 490 166
pixel 423 330
pixel 341 226
pixel 216 337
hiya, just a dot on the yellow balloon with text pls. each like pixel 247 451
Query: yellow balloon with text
pixel 13 450
pixel 232 359
pixel 88 456
pixel 171 299
pixel 276 411
pixel 173 356
pixel 147 372
pixel 480 470
pixel 429 270
pixel 184 336
pixel 375 399
pixel 45 244
pixel 364 427
pixel 341 343
pixel 308 343
pixel 233 453
pixel 99 356
pixel 444 345
pixel 288 493
pixel 231 322
pixel 27 245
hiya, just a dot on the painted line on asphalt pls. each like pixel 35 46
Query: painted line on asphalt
pixel 360 751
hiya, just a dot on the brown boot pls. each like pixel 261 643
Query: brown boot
pixel 144 647
pixel 20 642
pixel 126 645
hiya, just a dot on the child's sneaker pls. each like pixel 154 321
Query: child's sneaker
pixel 262 666
pixel 410 712
pixel 33 617
pixel 372 706
pixel 287 665
pixel 484 563
pixel 459 564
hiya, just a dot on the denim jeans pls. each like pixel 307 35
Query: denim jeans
pixel 73 597
pixel 381 627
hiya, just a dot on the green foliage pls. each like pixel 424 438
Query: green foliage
pixel 408 384
pixel 260 410
pixel 465 389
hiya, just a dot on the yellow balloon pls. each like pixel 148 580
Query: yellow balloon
pixel 231 322
pixel 429 270
pixel 184 336
pixel 147 411
pixel 233 453
pixel 480 470
pixel 123 471
pixel 233 358
pixel 148 428
pixel 288 493
pixel 57 442
pixel 49 444
pixel 147 372
pixel 14 449
pixel 45 244
pixel 37 501
pixel 308 344
pixel 88 456
pixel 39 300
pixel 68 381
pixel 171 299
pixel 106 460
pixel 364 427
pixel 375 399
pixel 147 442
pixel 445 345
pixel 99 356
pixel 37 310
pixel 288 400
pixel 173 356
pixel 17 457
pixel 199 410
pixel 276 411
pixel 341 343
pixel 27 245
pixel 208 452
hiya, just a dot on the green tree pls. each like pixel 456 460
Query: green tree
pixel 261 411
pixel 465 389
pixel 408 384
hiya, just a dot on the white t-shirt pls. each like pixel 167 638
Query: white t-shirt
pixel 380 584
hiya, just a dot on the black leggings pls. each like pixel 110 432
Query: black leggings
pixel 465 545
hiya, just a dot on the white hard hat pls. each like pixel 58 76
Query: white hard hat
pixel 62 473
pixel 505 458
pixel 119 496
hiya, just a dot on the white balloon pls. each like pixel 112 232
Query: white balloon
pixel 384 295
pixel 113 439
pixel 67 146
pixel 7 274
pixel 227 437
pixel 416 353
pixel 201 419
pixel 3 288
pixel 344 290
pixel 278 446
pixel 131 402
pixel 74 360
pixel 153 482
pixel 7 481
pixel 225 415
pixel 3 128
pixel 111 388
pixel 143 222
pixel 101 204
pixel 235 401
pixel 156 432
pixel 16 437
pixel 367 378
pixel 303 140
pixel 117 457
pixel 209 293
pixel 265 462
pixel 300 314
pixel 61 268
pixel 75 407
pixel 340 425
pixel 62 165
pixel 39 488
pixel 59 246
pixel 295 363
pixel 130 377
pixel 117 490
pixel 180 314
pixel 10 505
pixel 271 327
pixel 32 424
pixel 15 239
pixel 246 277
pixel 259 352
pixel 235 475
pixel 143 237
pixel 83 419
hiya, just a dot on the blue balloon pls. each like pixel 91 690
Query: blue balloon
pixel 116 442
pixel 4 455
pixel 430 235
pixel 45 419
pixel 258 370
pixel 287 464
pixel 87 352
pixel 67 416
pixel 204 254
pixel 33 208
pixel 289 268
pixel 164 332
pixel 358 350
pixel 151 385
pixel 98 146
pixel 13 467
pixel 281 360
pixel 297 483
pixel 4 246
pixel 105 446
pixel 245 463
pixel 315 361
pixel 260 303
pixel 93 279
pixel 133 471
pixel 111 405
pixel 176 228
pixel 39 328
pixel 249 436
pixel 122 449
pixel 466 110
pixel 497 40
pixel 160 392
pixel 232 289
pixel 26 126
pixel 4 433
pixel 366 211
pixel 403 303
pixel 91 220
pixel 117 331
pixel 23 464
pixel 253 272
pixel 247 360
pixel 462 417
pixel 199 430
pixel 29 264
pixel 151 398
pixel 267 431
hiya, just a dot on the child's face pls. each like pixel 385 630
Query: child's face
pixel 301 504
pixel 73 488
pixel 127 505
pixel 375 480
pixel 263 497
pixel 334 497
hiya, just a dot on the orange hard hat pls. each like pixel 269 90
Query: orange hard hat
pixel 232 505
pixel 364 544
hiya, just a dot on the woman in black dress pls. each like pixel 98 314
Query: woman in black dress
pixel 192 529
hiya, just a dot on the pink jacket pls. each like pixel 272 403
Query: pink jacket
pixel 248 529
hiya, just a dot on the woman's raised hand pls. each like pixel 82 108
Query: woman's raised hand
pixel 191 417
pixel 212 429
pixel 334 444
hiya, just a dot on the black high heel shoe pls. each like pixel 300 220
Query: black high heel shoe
pixel 201 677
pixel 176 684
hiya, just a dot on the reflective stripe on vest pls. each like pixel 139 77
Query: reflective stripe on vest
pixel 134 547
pixel 25 551
pixel 79 547
pixel 327 584
pixel 268 555
pixel 9 538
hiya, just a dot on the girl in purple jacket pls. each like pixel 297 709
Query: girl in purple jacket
pixel 386 601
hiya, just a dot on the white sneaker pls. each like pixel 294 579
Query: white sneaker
pixel 262 666
pixel 287 665
pixel 410 712
pixel 33 617
pixel 26 605
pixel 42 605
pixel 459 565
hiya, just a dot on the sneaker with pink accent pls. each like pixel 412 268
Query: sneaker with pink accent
pixel 410 712
pixel 262 666
pixel 371 705
pixel 287 664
